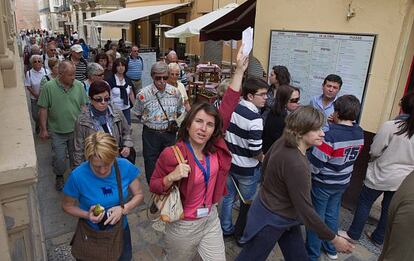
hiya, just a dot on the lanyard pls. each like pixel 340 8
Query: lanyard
pixel 206 173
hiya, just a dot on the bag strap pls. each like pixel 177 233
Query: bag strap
pixel 178 155
pixel 162 108
pixel 119 183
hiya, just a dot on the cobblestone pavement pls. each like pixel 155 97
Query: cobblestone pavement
pixel 147 243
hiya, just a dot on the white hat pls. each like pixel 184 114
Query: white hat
pixel 76 48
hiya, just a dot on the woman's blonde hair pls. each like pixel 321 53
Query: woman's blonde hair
pixel 101 145
pixel 300 122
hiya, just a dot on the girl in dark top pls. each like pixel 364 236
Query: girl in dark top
pixel 278 76
pixel 284 201
pixel 287 100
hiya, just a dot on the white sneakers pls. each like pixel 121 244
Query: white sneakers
pixel 332 257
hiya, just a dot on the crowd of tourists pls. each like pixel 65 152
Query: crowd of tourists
pixel 286 164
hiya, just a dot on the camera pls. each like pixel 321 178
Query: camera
pixel 172 127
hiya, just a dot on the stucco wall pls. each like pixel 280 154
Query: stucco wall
pixel 390 20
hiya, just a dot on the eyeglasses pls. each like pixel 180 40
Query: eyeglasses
pixel 295 100
pixel 158 78
pixel 99 75
pixel 261 94
pixel 100 99
pixel 37 61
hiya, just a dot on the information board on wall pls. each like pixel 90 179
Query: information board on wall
pixel 149 59
pixel 311 56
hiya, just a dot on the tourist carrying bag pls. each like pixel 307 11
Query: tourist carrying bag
pixel 169 206
pixel 104 245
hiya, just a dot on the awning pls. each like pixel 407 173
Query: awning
pixel 193 27
pixel 231 25
pixel 129 14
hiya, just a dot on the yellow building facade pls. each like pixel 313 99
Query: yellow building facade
pixel 391 21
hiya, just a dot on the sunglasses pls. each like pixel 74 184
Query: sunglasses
pixel 100 99
pixel 296 100
pixel 175 74
pixel 158 78
pixel 36 61
pixel 99 75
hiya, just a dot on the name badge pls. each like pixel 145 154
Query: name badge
pixel 202 212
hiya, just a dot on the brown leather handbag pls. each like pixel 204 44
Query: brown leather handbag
pixel 104 245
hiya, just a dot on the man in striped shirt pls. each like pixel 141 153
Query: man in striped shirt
pixel 80 63
pixel 332 164
pixel 135 68
pixel 244 139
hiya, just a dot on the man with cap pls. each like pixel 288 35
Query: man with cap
pixel 79 62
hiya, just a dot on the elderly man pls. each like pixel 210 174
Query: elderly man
pixel 158 106
pixel 50 52
pixel 173 58
pixel 80 63
pixel 135 68
pixel 60 103
pixel 95 72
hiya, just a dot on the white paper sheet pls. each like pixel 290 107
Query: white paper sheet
pixel 247 40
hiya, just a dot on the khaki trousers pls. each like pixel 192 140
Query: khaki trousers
pixel 185 238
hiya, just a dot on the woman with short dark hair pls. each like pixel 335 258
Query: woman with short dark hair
pixel 101 116
pixel 284 201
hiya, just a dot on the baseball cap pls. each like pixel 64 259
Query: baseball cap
pixel 76 48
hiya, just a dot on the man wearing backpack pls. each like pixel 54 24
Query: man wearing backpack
pixel 135 68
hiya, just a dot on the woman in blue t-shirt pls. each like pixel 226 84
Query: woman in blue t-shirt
pixel 94 182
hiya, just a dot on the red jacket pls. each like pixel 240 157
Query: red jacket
pixel 167 162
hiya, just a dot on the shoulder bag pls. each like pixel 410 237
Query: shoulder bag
pixel 169 206
pixel 104 245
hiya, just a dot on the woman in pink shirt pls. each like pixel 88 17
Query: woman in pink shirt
pixel 203 176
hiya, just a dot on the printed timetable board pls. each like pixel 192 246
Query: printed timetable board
pixel 311 56
pixel 149 58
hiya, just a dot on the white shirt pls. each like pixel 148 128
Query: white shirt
pixel 33 79
pixel 116 95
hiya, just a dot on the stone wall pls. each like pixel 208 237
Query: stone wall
pixel 20 230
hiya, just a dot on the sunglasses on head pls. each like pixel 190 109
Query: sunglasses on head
pixel 158 78
pixel 296 100
pixel 100 99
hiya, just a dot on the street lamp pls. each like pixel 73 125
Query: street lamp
pixel 99 36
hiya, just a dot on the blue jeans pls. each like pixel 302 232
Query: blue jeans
pixel 127 250
pixel 127 114
pixel 247 186
pixel 62 145
pixel 327 203
pixel 366 198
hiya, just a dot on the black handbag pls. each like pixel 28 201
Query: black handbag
pixel 104 245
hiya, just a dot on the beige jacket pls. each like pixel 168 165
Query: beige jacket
pixel 85 126
pixel 392 158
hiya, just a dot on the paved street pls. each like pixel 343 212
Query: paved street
pixel 147 243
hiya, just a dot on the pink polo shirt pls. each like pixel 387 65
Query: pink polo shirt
pixel 196 198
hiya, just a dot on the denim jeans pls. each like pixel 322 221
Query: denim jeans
pixel 127 250
pixel 247 186
pixel 153 143
pixel 127 114
pixel 62 145
pixel 366 198
pixel 327 203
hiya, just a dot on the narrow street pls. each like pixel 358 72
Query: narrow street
pixel 147 243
